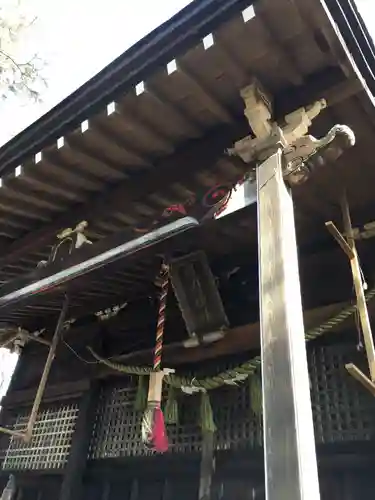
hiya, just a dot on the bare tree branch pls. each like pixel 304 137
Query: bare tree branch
pixel 16 77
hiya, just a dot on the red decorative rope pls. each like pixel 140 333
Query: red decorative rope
pixel 161 317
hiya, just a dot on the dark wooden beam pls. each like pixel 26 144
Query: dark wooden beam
pixel 330 84
pixel 237 340
pixel 207 466
pixel 63 390
pixel 71 488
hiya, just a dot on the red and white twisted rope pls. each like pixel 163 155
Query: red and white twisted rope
pixel 161 318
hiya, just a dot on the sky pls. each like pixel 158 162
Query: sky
pixel 77 39
pixel 367 11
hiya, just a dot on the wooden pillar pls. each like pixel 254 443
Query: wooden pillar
pixel 71 488
pixel 207 466
pixel 289 445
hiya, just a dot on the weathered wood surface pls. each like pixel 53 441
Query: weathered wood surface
pixel 289 445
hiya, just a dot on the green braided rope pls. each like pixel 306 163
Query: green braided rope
pixel 244 370
pixel 177 381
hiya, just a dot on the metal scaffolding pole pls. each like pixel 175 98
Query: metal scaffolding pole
pixel 289 445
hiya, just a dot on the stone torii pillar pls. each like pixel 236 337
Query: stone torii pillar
pixel 282 157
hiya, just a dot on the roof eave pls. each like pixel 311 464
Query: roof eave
pixel 166 42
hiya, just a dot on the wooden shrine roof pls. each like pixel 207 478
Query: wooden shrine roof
pixel 152 128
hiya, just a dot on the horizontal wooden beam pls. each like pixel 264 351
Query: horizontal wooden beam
pixel 237 340
pixel 314 269
pixel 240 339
pixel 327 84
pixel 11 298
pixel 65 390
pixel 139 315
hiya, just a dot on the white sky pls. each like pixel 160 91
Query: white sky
pixel 367 10
pixel 78 38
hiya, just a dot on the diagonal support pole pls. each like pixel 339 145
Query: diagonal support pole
pixel 289 446
pixel 349 247
pixel 26 434
pixel 359 290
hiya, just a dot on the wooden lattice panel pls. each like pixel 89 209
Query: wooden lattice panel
pixel 343 411
pixel 50 445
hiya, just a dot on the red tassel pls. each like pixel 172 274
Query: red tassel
pixel 159 434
